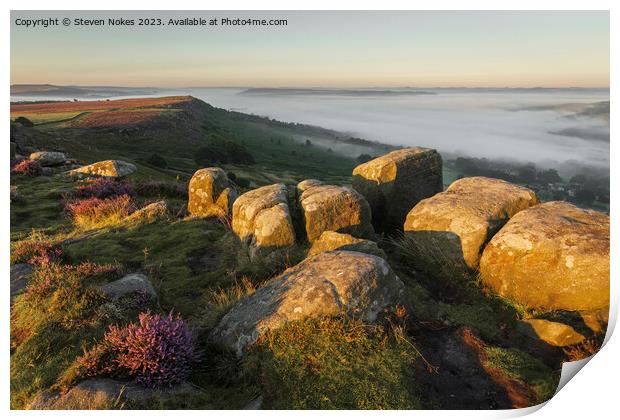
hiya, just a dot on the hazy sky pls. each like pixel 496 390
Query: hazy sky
pixel 404 48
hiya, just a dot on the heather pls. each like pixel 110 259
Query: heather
pixel 27 167
pixel 103 188
pixel 155 351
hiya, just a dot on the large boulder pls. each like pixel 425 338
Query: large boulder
pixel 328 284
pixel 211 193
pixel 49 158
pixel 262 221
pixel 331 241
pixel 104 393
pixel 105 168
pixel 396 182
pixel 553 256
pixel 129 285
pixel 337 209
pixel 458 222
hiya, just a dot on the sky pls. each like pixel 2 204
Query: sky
pixel 320 49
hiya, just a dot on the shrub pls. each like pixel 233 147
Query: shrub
pixel 104 188
pixel 95 212
pixel 33 251
pixel 27 167
pixel 157 160
pixel 157 351
pixel 219 150
pixel 24 121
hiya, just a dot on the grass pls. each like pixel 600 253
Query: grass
pixel 526 369
pixel 335 364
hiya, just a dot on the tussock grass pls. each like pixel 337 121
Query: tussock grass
pixel 335 364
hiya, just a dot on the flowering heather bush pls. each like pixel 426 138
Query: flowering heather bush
pixel 104 188
pixel 95 212
pixel 27 167
pixel 35 252
pixel 157 351
pixel 159 188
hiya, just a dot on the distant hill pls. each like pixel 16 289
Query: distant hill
pixel 78 91
pixel 345 92
pixel 175 127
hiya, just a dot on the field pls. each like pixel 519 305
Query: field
pixel 116 112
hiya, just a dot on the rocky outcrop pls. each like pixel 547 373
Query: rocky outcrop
pixel 459 221
pixel 129 285
pixel 105 168
pixel 396 182
pixel 328 284
pixel 553 333
pixel 337 209
pixel 331 241
pixel 211 193
pixel 20 276
pixel 262 221
pixel 149 213
pixel 104 393
pixel 553 256
pixel 49 158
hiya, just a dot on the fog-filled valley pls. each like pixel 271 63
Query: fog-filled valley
pixel 566 129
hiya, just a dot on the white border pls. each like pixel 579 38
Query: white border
pixel 592 395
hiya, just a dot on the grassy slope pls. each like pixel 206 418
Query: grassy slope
pixel 197 271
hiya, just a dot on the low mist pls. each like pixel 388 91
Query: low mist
pixel 547 127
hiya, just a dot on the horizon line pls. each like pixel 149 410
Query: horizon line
pixel 309 87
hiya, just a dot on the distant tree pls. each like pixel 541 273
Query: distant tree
pixel 549 176
pixel 467 166
pixel 219 150
pixel 24 121
pixel 584 196
pixel 527 173
pixel 308 143
pixel 363 158
pixel 293 153
pixel 157 160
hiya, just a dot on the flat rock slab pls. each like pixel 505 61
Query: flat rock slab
pixel 128 285
pixel 106 168
pixel 104 393
pixel 394 183
pixel 211 193
pixel 553 333
pixel 20 276
pixel 337 209
pixel 307 183
pixel 49 158
pixel 553 256
pixel 459 221
pixel 332 241
pixel 328 284
pixel 149 213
